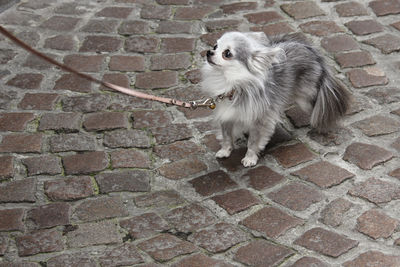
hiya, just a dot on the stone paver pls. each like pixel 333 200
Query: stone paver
pixel 91 177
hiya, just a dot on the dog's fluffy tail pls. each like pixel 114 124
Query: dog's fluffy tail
pixel 332 102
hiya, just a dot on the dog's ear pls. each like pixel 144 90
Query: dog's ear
pixel 260 60
pixel 258 36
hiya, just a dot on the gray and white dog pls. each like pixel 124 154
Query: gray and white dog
pixel 256 78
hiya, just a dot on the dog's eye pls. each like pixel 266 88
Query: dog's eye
pixel 227 54
pixel 215 47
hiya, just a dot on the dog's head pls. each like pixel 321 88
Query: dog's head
pixel 237 52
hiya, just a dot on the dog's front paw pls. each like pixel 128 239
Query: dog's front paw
pixel 223 153
pixel 250 161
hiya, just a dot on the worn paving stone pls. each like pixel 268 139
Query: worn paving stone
pixel 378 125
pixel 199 260
pixel 130 181
pixel 62 122
pixel 49 215
pixel 74 83
pixel 190 218
pixel 334 212
pixel 90 103
pixel 351 9
pixel 387 43
pixel 100 26
pixel 236 201
pixel 323 174
pixel 126 139
pixel 84 63
pixel 178 150
pixel 85 163
pixel 298 117
pixel 376 224
pixel 213 182
pixel 39 242
pixel 127 63
pixel 320 27
pixel 274 29
pixel 46 164
pixel 60 23
pixel 263 17
pixel 130 159
pixel 114 12
pixel 21 143
pixel 3 245
pixel 374 258
pixel 105 121
pixel 155 12
pixel 141 44
pixel 15 122
pixel 18 191
pixel 132 27
pixel 326 242
pixel 271 222
pixel 38 101
pixel 182 168
pixel 72 142
pixel 339 43
pixel 11 219
pixel 159 198
pixel 237 7
pixel 60 42
pixel 366 156
pixel 354 59
pixel 26 81
pixel 149 118
pixel 100 208
pixel 91 234
pixel 376 191
pixel 384 95
pixel 292 155
pixel 192 13
pixel 145 225
pixel 262 177
pixel 302 10
pixel 218 238
pixel 385 7
pixel 75 259
pixel 6 167
pixel 368 76
pixel 296 196
pixel 125 254
pixel 364 27
pixel 262 253
pixel 395 173
pixel 165 247
pixel 309 261
pixel 69 188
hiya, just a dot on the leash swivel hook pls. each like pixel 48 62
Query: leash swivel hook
pixel 209 102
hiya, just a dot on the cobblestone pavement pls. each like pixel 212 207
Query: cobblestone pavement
pixel 90 177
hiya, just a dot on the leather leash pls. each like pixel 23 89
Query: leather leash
pixel 209 102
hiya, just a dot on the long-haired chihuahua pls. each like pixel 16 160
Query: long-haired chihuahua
pixel 256 77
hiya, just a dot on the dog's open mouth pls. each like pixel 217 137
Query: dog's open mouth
pixel 209 60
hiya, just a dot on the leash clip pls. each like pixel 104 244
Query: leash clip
pixel 209 102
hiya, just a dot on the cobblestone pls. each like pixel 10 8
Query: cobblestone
pixel 92 177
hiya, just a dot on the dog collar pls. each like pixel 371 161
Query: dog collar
pixel 228 95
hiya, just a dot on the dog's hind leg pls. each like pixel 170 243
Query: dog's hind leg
pixel 227 140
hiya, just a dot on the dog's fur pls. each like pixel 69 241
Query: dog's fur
pixel 258 77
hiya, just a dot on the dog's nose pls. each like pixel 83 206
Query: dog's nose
pixel 210 53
